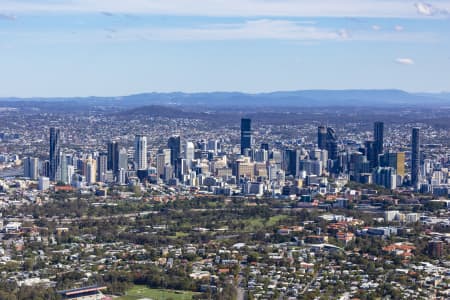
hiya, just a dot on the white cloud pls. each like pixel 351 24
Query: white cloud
pixel 244 8
pixel 255 29
pixel 7 17
pixel 399 28
pixel 259 29
pixel 344 34
pixel 376 27
pixel 425 9
pixel 404 61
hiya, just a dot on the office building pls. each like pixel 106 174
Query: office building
pixel 140 152
pixel 102 166
pixel 415 157
pixel 31 168
pixel 290 161
pixel 90 170
pixel 54 157
pixel 378 144
pixel 63 168
pixel 394 160
pixel 189 152
pixel 122 161
pixel 246 135
pixel 385 176
pixel 370 151
pixel 322 137
pixel 113 156
pixel 331 144
pixel 162 159
pixel 44 183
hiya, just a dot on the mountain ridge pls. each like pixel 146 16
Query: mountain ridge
pixel 353 97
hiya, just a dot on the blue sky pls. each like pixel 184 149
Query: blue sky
pixel 118 47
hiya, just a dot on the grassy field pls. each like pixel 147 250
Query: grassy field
pixel 253 224
pixel 143 292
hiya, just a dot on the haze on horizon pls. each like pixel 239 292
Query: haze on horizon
pixel 113 48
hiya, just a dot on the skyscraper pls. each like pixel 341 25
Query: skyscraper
pixel 246 135
pixel 189 152
pixel 62 171
pixel 290 161
pixel 123 160
pixel 415 156
pixel 90 170
pixel 102 164
pixel 322 137
pixel 395 160
pixel 113 156
pixel 140 152
pixel 174 144
pixel 378 134
pixel 371 153
pixel 54 157
pixel 331 144
pixel 162 159
pixel 31 167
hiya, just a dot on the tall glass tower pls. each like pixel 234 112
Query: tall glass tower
pixel 415 157
pixel 378 134
pixel 322 137
pixel 246 135
pixel 54 157
pixel 140 152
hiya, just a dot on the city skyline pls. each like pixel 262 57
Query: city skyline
pixel 107 48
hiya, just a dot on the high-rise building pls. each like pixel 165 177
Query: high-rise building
pixel 113 156
pixel 44 183
pixel 189 153
pixel 331 144
pixel 31 167
pixel 394 160
pixel 378 144
pixel 90 170
pixel 140 152
pixel 415 157
pixel 70 173
pixel 322 137
pixel 246 134
pixel 213 145
pixel 54 157
pixel 385 176
pixel 122 161
pixel 162 159
pixel 102 167
pixel 290 161
pixel 63 168
pixel 174 144
pixel 371 153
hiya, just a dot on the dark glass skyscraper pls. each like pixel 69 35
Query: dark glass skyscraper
pixel 54 157
pixel 415 156
pixel 322 137
pixel 174 144
pixel 378 145
pixel 113 156
pixel 331 144
pixel 370 153
pixel 246 135
pixel 290 161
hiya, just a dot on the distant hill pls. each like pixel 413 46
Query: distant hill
pixel 306 98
